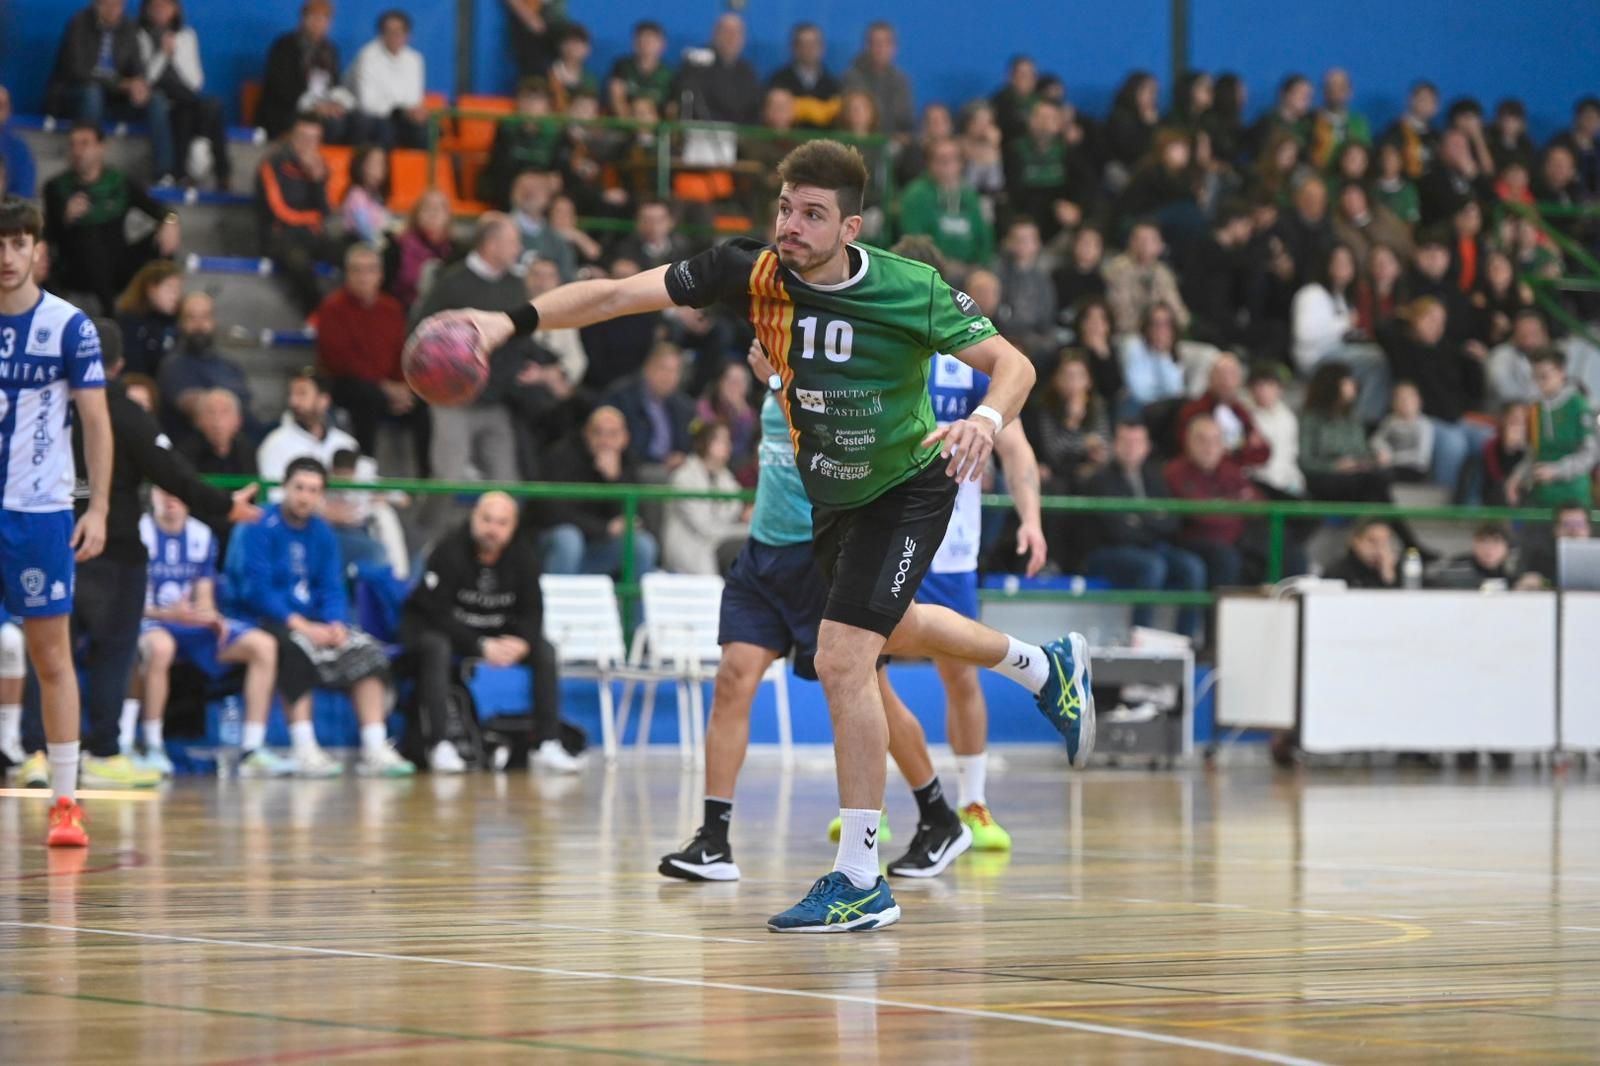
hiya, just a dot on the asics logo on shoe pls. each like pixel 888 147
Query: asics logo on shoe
pixel 871 838
pixel 904 568
pixel 1068 702
pixel 848 911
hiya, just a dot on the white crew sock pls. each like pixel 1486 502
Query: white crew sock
pixel 972 772
pixel 153 739
pixel 1026 664
pixel 11 728
pixel 374 738
pixel 303 736
pixel 858 846
pixel 127 724
pixel 255 736
pixel 63 770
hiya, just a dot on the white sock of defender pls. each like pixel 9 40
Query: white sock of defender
pixel 154 734
pixel 972 772
pixel 303 736
pixel 858 846
pixel 127 724
pixel 63 770
pixel 255 736
pixel 1026 664
pixel 374 737
pixel 11 729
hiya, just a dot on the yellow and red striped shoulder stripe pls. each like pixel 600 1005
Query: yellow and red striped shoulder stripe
pixel 772 316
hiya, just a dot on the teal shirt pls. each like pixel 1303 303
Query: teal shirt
pixel 783 511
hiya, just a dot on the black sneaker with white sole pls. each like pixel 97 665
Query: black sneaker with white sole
pixel 932 849
pixel 702 859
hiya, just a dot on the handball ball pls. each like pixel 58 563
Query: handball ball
pixel 441 364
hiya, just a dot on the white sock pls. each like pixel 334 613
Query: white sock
pixel 153 734
pixel 127 724
pixel 302 736
pixel 255 736
pixel 1026 664
pixel 374 737
pixel 858 846
pixel 63 770
pixel 10 727
pixel 971 774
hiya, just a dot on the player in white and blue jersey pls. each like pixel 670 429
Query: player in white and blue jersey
pixel 182 625
pixel 49 363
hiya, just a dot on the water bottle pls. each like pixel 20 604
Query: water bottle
pixel 1411 569
pixel 230 734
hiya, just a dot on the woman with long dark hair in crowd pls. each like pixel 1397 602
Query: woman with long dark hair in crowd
pixel 1068 426
pixel 1135 114
pixel 147 311
pixel 726 401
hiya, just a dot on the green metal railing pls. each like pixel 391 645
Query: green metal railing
pixel 1277 514
pixel 1546 291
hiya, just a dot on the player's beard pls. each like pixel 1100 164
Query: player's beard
pixel 808 259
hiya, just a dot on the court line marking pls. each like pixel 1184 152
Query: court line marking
pixel 1233 1050
pixel 623 932
pixel 143 794
pixel 1334 867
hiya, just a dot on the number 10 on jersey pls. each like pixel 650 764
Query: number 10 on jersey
pixel 837 337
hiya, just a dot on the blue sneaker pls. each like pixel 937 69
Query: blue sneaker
pixel 835 905
pixel 1067 699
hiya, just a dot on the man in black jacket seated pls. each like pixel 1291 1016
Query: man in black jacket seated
pixel 1371 561
pixel 586 536
pixel 479 598
pixel 1135 549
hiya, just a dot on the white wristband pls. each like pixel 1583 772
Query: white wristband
pixel 992 415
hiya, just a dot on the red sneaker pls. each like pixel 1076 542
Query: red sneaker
pixel 66 826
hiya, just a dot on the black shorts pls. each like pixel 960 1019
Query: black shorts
pixel 773 598
pixel 874 556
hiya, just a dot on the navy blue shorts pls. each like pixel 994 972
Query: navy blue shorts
pixel 773 599
pixel 36 563
pixel 958 591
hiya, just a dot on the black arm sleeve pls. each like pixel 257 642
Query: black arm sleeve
pixel 716 275
pixel 139 438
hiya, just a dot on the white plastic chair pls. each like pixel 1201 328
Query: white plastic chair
pixel 679 640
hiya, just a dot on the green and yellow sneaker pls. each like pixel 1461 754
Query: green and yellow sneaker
pixel 116 771
pixel 987 834
pixel 1067 699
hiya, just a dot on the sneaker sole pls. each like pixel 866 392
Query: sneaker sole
pixel 96 781
pixel 1083 678
pixel 881 920
pixel 688 871
pixel 958 847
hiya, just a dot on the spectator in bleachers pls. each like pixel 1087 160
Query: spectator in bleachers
pixel 642 74
pixel 292 585
pixel 531 193
pixel 220 446
pixel 873 71
pixel 1562 449
pixel 86 211
pixel 1370 560
pixel 1276 168
pixel 1335 125
pixel 100 75
pixel 1305 229
pixel 1501 296
pixel 1047 179
pixel 941 206
pixel 1224 123
pixel 1013 101
pixel 566 345
pixel 1467 248
pixel 306 429
pixel 1582 139
pixel 1360 224
pixel 1454 178
pixel 1392 189
pixel 1558 183
pixel 360 331
pixel 16 158
pixel 1223 402
pixel 1487 566
pixel 936 125
pixel 718 84
pixel 302 78
pixel 1509 370
pixel 195 367
pixel 388 78
pixel 1131 126
pixel 1215 278
pixel 1137 280
pixel 1540 546
pixel 1466 115
pixel 528 140
pixel 1192 97
pixel 1068 426
pixel 655 240
pixel 1504 454
pixel 147 312
pixel 1412 135
pixel 1275 420
pixel 1081 276
pixel 365 210
pixel 1162 184
pixel 703 536
pixel 1430 276
pixel 479 434
pixel 1137 550
pixel 1028 316
pixel 170 49
pixel 725 401
pixel 350 512
pixel 563 218
pixel 657 411
pixel 1324 325
pixel 815 90
pixel 422 245
pixel 292 204
pixel 983 159
pixel 1093 341
pixel 1450 383
pixel 1353 166
pixel 533 26
pixel 1227 543
pixel 1378 289
pixel 568 77
pixel 586 536
pixel 1291 115
pixel 1403 441
pixel 479 599
pixel 1508 135
pixel 1151 368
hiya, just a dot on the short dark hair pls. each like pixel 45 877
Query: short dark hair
pixel 19 216
pixel 648 26
pixel 1465 105
pixel 307 118
pixel 1586 103
pixel 533 85
pixel 394 13
pixel 827 164
pixel 92 127
pixel 1511 106
pixel 1554 356
pixel 345 459
pixel 1492 529
pixel 308 373
pixel 572 31
pixel 1423 85
pixel 306 464
pixel 1369 522
pixel 1265 370
pixel 110 342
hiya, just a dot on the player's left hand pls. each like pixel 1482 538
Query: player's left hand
pixel 967 443
pixel 1030 542
pixel 89 536
pixel 244 509
pixel 494 328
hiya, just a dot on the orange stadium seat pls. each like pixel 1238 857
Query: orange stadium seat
pixel 337 156
pixel 249 97
pixel 476 133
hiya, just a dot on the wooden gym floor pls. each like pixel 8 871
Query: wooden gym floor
pixel 1343 918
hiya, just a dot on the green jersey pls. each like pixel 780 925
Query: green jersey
pixel 853 357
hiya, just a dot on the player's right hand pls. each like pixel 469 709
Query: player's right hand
pixel 89 536
pixel 494 328
pixel 764 370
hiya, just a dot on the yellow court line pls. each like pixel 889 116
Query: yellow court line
pixel 143 794
pixel 1409 933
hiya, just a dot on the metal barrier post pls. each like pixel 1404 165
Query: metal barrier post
pixel 629 590
pixel 1277 527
